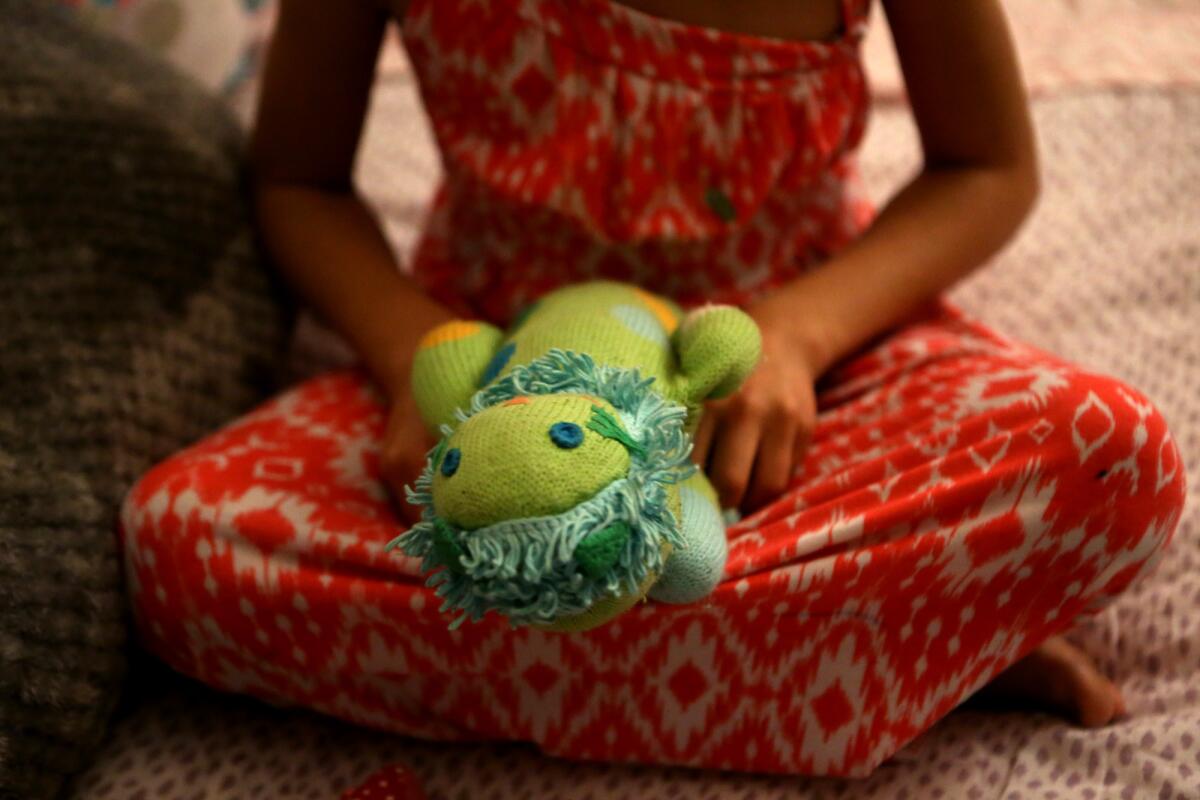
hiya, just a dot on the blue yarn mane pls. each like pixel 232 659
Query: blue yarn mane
pixel 525 568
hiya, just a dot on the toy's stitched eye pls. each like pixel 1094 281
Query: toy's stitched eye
pixel 566 435
pixel 450 462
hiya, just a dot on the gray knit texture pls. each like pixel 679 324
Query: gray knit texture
pixel 135 315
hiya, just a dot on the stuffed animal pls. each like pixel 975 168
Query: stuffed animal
pixel 561 491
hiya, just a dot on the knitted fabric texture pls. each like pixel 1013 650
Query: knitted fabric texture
pixel 581 423
pixel 522 563
pixel 533 476
pixel 705 353
pixel 703 560
pixel 134 317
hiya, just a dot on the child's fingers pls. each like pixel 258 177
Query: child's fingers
pixel 702 441
pixel 735 444
pixel 402 457
pixel 801 443
pixel 396 476
pixel 775 462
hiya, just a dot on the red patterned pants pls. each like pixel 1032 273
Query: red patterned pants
pixel 964 498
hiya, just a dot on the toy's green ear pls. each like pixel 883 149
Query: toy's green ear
pixel 718 348
pixel 452 361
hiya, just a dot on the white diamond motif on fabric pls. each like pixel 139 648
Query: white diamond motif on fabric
pixel 1028 498
pixel 1042 430
pixel 689 669
pixel 1166 475
pixel 1083 446
pixel 1129 464
pixel 539 681
pixel 828 751
pixel 986 463
pixel 247 557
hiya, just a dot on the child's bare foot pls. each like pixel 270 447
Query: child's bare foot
pixel 1059 675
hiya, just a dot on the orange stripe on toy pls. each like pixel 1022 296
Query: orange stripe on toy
pixel 520 400
pixel 448 332
pixel 666 316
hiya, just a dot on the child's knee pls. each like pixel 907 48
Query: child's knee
pixel 1118 473
pixel 156 524
pixel 1114 435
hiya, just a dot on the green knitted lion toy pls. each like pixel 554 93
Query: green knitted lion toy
pixel 561 491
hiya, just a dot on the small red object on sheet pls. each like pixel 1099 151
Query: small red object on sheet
pixel 390 783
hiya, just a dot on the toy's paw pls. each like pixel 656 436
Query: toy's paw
pixel 694 570
pixel 718 348
pixel 450 363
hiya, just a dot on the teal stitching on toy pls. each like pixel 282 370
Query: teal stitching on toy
pixel 603 423
pixel 526 569
pixel 499 360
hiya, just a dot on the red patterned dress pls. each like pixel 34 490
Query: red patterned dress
pixel 964 498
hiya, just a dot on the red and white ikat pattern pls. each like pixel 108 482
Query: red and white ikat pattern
pixel 964 498
pixel 581 139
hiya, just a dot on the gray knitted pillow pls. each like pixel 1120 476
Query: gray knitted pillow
pixel 135 315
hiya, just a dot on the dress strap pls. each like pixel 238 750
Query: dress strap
pixel 855 15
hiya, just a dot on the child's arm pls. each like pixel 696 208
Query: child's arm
pixel 323 238
pixel 978 183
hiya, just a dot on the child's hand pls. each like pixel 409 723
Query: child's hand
pixel 402 454
pixel 753 442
